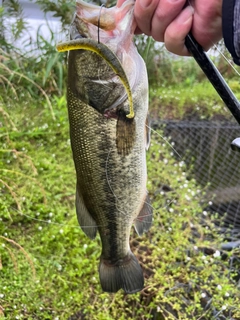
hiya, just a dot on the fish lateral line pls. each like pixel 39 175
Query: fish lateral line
pixel 104 52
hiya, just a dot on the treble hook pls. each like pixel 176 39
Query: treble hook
pixel 99 22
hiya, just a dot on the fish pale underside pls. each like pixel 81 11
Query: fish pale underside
pixel 109 148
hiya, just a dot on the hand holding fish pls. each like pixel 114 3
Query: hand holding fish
pixel 169 22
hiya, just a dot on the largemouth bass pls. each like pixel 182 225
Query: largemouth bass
pixel 105 76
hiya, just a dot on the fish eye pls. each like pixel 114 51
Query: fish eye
pixel 74 32
pixel 79 36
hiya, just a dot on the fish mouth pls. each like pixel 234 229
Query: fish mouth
pixel 91 20
pixel 109 21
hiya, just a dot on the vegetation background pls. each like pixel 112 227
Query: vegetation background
pixel 48 268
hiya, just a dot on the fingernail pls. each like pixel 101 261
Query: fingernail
pixel 145 3
pixel 185 15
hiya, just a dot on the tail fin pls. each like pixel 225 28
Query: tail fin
pixel 124 274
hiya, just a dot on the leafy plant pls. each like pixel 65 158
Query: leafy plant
pixel 12 24
pixel 62 9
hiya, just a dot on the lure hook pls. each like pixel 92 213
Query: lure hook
pixel 99 17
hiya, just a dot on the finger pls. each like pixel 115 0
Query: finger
pixel 143 12
pixel 165 13
pixel 177 31
pixel 207 24
pixel 119 3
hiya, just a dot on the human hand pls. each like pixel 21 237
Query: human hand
pixel 168 22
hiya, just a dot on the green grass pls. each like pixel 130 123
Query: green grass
pixel 197 100
pixel 48 267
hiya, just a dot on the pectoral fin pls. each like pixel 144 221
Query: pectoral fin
pixel 144 220
pixel 85 220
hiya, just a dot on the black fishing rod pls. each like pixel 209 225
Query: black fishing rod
pixel 216 80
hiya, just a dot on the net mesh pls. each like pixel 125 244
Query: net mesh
pixel 205 148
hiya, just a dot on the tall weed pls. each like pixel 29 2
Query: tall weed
pixel 12 24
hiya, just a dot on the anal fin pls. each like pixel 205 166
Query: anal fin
pixel 144 220
pixel 85 220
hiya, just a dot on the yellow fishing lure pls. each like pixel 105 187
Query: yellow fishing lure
pixel 103 51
